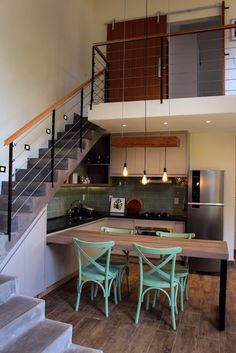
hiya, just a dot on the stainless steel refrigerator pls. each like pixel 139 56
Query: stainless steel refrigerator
pixel 205 212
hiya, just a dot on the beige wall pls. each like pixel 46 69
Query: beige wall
pixel 217 151
pixel 45 52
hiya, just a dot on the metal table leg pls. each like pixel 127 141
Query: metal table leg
pixel 222 296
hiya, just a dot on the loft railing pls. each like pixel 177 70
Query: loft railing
pixel 155 67
pixel 26 142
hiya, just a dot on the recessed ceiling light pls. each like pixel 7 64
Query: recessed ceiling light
pixel 123 125
pixel 165 123
pixel 208 121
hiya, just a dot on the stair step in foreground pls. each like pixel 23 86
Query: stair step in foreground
pixel 81 349
pixel 7 288
pixel 46 337
pixel 18 315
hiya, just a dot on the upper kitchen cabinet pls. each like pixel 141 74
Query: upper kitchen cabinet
pixel 176 159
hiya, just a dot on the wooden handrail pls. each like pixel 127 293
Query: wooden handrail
pixel 168 34
pixel 46 112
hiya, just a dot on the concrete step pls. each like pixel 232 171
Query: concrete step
pixel 66 142
pixel 3 222
pixel 69 143
pixel 18 315
pixel 74 348
pixel 43 175
pixel 59 153
pixel 22 203
pixel 7 288
pixel 46 337
pixel 42 162
pixel 26 188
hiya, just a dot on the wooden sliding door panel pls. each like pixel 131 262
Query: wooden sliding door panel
pixel 134 71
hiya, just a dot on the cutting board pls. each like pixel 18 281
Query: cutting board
pixel 134 205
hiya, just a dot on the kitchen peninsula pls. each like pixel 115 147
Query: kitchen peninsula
pixel 195 248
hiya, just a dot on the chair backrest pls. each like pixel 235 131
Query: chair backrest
pixel 167 255
pixel 118 230
pixel 180 236
pixel 175 235
pixel 84 250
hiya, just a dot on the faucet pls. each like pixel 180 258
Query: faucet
pixel 74 209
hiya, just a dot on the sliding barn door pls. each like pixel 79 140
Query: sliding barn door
pixel 135 65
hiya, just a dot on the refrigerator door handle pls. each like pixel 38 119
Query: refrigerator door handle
pixel 205 204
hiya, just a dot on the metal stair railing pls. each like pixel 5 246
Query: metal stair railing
pixel 25 143
pixel 129 76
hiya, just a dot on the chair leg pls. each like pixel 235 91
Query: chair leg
pixel 148 300
pixel 156 295
pixel 78 299
pixel 119 282
pixel 115 292
pixel 92 291
pixel 181 294
pixel 173 304
pixel 186 287
pixel 139 305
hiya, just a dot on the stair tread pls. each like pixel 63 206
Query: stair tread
pixel 5 278
pixel 15 307
pixel 38 338
pixel 74 348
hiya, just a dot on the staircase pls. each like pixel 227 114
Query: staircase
pixel 32 187
pixel 24 328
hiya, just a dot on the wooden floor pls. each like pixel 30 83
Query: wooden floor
pixel 196 326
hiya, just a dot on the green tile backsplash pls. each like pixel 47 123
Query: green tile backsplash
pixel 156 197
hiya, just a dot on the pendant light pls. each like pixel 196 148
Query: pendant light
pixel 165 176
pixel 125 169
pixel 144 180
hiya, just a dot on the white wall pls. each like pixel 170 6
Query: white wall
pixel 106 10
pixel 217 151
pixel 36 264
pixel 45 51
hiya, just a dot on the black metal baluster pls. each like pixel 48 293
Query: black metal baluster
pixel 161 83
pixel 52 146
pixel 106 86
pixel 81 117
pixel 93 74
pixel 9 191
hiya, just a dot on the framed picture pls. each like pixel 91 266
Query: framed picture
pixel 233 30
pixel 117 206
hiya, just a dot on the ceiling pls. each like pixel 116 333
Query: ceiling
pixel 182 114
pixel 224 122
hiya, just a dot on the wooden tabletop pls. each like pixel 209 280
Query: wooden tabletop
pixel 210 249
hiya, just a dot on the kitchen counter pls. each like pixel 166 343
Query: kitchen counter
pixel 60 223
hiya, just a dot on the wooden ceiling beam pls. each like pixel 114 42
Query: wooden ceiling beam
pixel 145 141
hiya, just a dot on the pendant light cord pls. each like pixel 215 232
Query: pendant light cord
pixel 145 82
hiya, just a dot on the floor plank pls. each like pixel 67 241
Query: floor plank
pixel 196 327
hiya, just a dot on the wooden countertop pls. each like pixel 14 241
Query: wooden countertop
pixel 210 249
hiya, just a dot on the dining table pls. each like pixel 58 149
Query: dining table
pixel 198 248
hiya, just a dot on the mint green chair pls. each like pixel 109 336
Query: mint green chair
pixel 122 264
pixel 91 270
pixel 181 270
pixel 155 277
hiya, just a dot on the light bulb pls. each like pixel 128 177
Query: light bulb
pixel 125 170
pixel 144 178
pixel 164 176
